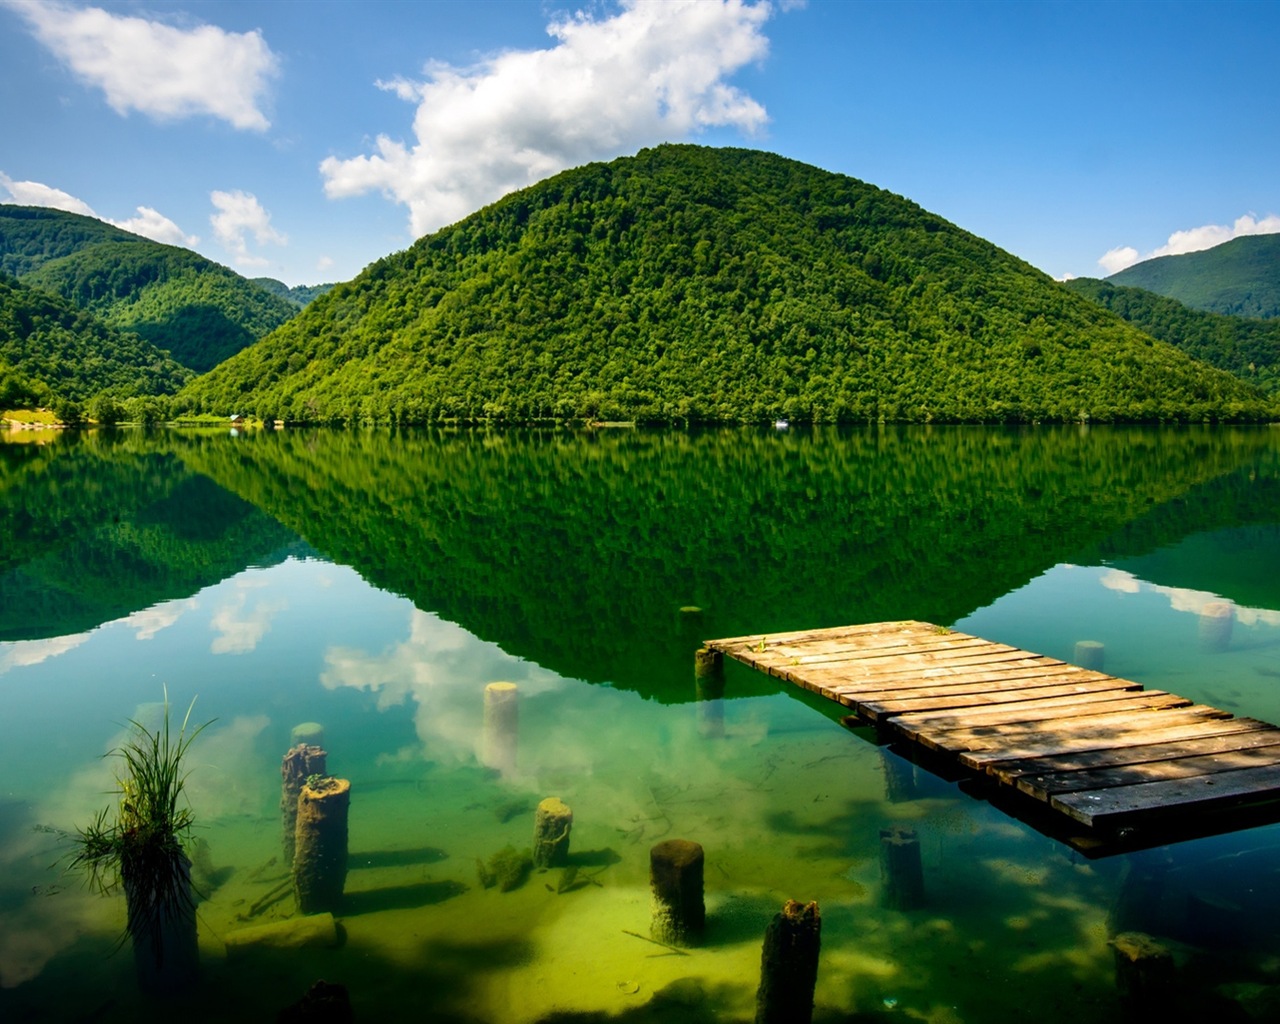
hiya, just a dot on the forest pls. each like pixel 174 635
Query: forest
pixel 1237 278
pixel 689 284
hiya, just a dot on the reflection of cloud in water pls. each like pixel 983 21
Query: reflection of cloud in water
pixel 151 621
pixel 443 669
pixel 20 653
pixel 1182 599
pixel 241 630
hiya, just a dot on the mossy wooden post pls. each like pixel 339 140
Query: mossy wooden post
pixel 1215 625
pixel 789 965
pixel 678 913
pixel 899 777
pixel 166 950
pixel 310 733
pixel 501 726
pixel 708 681
pixel 900 868
pixel 1090 654
pixel 320 853
pixel 301 762
pixel 1144 974
pixel 551 825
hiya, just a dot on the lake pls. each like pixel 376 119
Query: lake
pixel 376 583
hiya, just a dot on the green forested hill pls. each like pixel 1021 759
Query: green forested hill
pixel 688 283
pixel 300 294
pixel 198 310
pixel 1248 348
pixel 50 349
pixel 1240 277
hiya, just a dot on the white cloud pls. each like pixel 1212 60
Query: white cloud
pixel 651 72
pixel 240 214
pixel 149 223
pixel 241 629
pixel 1193 240
pixel 154 225
pixel 324 263
pixel 161 71
pixel 21 653
pixel 33 193
pixel 1115 260
pixel 150 621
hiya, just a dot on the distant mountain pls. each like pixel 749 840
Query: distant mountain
pixel 198 310
pixel 300 294
pixel 1248 348
pixel 50 349
pixel 696 284
pixel 1240 277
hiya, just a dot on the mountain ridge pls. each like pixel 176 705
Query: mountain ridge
pixel 1239 278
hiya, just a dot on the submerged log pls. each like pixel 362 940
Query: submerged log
pixel 789 965
pixel 299 764
pixel 551 825
pixel 678 913
pixel 312 931
pixel 320 855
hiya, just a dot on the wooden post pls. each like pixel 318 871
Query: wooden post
pixel 299 764
pixel 1144 973
pixel 899 777
pixel 320 856
pixel 708 681
pixel 551 825
pixel 501 726
pixel 900 868
pixel 309 733
pixel 789 965
pixel 678 913
pixel 1215 625
pixel 1090 654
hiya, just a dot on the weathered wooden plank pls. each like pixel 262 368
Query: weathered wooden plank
pixel 900 676
pixel 1113 806
pixel 882 709
pixel 872 655
pixel 1044 787
pixel 984 683
pixel 979 760
pixel 1012 770
pixel 905 625
pixel 938 725
pixel 1036 710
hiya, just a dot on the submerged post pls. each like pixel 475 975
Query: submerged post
pixel 501 726
pixel 899 777
pixel 900 868
pixel 1090 654
pixel 1144 973
pixel 789 965
pixel 1215 625
pixel 299 764
pixel 551 825
pixel 310 733
pixel 708 681
pixel 675 881
pixel 320 855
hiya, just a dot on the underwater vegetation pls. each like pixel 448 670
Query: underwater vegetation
pixel 507 869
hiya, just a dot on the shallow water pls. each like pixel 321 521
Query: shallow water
pixel 376 584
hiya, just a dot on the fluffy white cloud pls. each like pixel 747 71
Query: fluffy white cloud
pixel 149 223
pixel 1192 240
pixel 154 225
pixel 240 215
pixel 240 628
pixel 160 70
pixel 33 193
pixel 653 71
pixel 21 653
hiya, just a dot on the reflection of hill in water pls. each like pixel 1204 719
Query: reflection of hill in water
pixel 577 550
pixel 98 528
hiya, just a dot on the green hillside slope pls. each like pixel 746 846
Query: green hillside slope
pixel 198 310
pixel 688 283
pixel 1240 277
pixel 1248 348
pixel 50 349
pixel 299 295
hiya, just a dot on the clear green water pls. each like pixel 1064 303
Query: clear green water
pixel 377 583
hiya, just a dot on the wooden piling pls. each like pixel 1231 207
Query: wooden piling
pixel 301 762
pixel 1089 654
pixel 1144 973
pixel 899 777
pixel 708 681
pixel 320 854
pixel 789 965
pixel 678 913
pixel 900 868
pixel 501 726
pixel 310 733
pixel 551 825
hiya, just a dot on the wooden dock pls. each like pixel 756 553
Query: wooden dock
pixel 1115 764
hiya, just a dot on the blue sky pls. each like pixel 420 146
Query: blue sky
pixel 303 140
